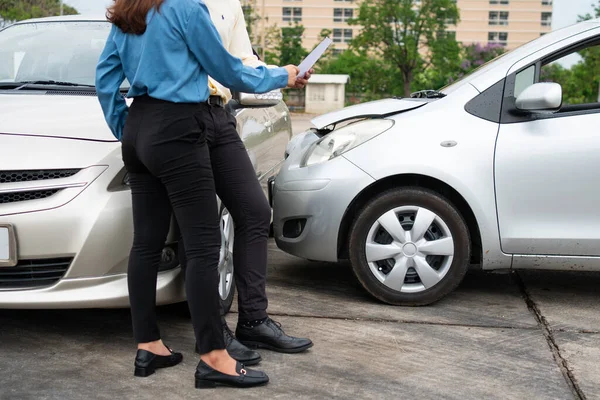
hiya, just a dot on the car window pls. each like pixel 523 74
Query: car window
pixel 524 79
pixel 577 72
pixel 65 51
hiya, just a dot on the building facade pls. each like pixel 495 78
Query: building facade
pixel 507 22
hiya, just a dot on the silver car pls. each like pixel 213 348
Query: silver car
pixel 65 206
pixel 494 169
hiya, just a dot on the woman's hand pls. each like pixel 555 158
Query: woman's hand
pixel 292 75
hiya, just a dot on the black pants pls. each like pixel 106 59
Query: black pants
pixel 165 152
pixel 240 191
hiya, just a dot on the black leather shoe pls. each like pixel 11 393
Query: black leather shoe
pixel 238 351
pixel 206 377
pixel 146 362
pixel 269 335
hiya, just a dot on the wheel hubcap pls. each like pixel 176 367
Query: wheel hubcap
pixel 409 249
pixel 226 255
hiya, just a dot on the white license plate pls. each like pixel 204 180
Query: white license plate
pixel 8 247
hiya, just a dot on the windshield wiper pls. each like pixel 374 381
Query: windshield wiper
pixel 53 83
pixel 427 94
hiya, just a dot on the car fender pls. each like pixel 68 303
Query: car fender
pixel 432 142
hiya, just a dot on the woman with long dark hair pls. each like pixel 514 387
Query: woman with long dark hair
pixel 166 49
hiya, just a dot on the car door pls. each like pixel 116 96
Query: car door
pixel 547 165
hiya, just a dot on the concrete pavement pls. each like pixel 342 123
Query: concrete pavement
pixel 526 336
pixel 530 335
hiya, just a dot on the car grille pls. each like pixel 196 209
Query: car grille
pixel 24 196
pixel 34 273
pixel 35 175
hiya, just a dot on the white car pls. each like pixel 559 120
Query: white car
pixel 494 169
pixel 65 206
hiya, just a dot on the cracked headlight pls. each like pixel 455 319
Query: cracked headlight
pixel 346 138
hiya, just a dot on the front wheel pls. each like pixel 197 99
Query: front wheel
pixel 409 246
pixel 226 279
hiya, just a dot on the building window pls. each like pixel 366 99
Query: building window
pixel 347 35
pixel 338 14
pixel 546 2
pixel 498 18
pixel 337 52
pixel 342 35
pixel 342 14
pixel 546 19
pixel 292 14
pixel 348 14
pixel 337 36
pixel 498 37
pixel 504 2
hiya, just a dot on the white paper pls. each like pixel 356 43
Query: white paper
pixel 4 249
pixel 313 57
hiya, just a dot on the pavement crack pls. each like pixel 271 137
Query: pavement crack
pixel 560 361
pixel 399 321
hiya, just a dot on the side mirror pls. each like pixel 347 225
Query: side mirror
pixel 268 99
pixel 543 97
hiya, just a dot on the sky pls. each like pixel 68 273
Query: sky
pixel 565 11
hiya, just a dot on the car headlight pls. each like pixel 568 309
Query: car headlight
pixel 346 138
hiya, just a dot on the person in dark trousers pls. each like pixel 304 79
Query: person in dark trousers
pixel 166 49
pixel 240 191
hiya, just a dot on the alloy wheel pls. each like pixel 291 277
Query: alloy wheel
pixel 226 255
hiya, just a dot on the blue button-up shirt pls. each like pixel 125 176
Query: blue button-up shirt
pixel 172 60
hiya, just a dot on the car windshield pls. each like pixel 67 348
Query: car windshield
pixel 49 52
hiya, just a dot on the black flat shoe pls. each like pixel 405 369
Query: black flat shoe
pixel 238 351
pixel 146 362
pixel 269 335
pixel 207 377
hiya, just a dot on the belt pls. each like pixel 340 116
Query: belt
pixel 216 101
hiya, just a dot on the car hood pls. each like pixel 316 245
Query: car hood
pixel 378 108
pixel 76 116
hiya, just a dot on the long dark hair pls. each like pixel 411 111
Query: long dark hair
pixel 130 15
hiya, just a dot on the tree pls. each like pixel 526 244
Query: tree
pixel 370 78
pixel 18 10
pixel 580 82
pixel 588 15
pixel 288 46
pixel 412 37
pixel 251 18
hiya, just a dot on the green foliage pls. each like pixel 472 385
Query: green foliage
pixel 251 18
pixel 580 83
pixel 288 46
pixel 411 37
pixel 370 78
pixel 589 16
pixel 374 77
pixel 18 10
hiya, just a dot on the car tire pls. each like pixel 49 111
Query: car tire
pixel 413 284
